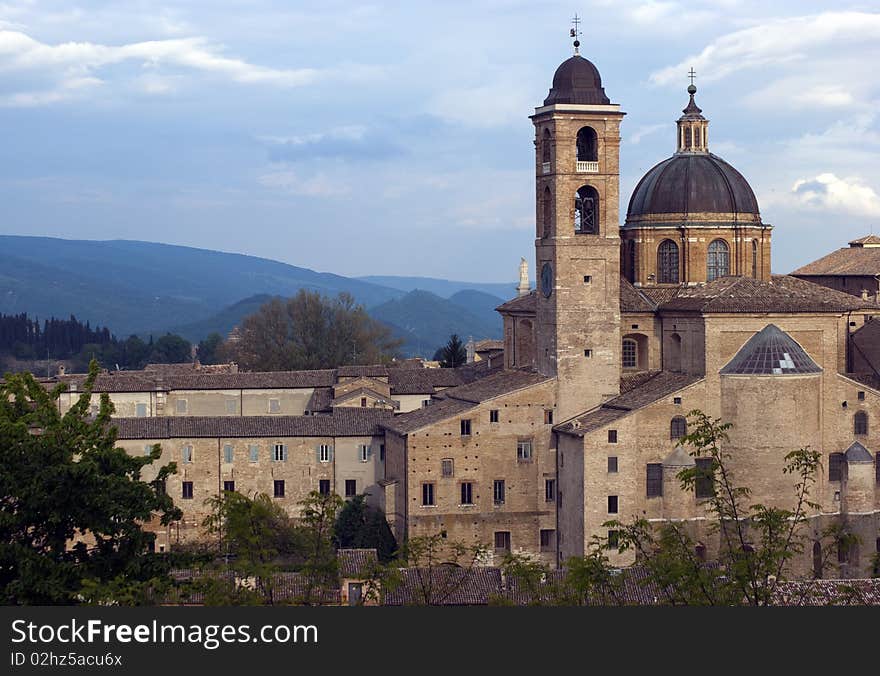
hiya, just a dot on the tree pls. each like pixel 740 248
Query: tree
pixel 72 505
pixel 207 350
pixel 360 526
pixel 318 516
pixel 452 354
pixel 171 349
pixel 310 331
pixel 438 568
pixel 757 542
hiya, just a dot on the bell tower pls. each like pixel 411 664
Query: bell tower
pixel 577 243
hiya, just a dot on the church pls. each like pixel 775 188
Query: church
pixel 630 328
pixel 577 422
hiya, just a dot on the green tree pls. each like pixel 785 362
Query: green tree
pixel 318 518
pixel 72 505
pixel 207 350
pixel 310 331
pixel 171 349
pixel 452 354
pixel 757 542
pixel 360 526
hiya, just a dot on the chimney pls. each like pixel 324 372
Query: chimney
pixel 865 294
pixel 61 369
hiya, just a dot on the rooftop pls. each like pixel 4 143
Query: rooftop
pixel 771 351
pixel 860 259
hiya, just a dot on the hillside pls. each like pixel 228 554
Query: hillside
pixel 425 321
pixel 441 287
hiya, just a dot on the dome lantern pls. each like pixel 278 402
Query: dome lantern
pixel 693 128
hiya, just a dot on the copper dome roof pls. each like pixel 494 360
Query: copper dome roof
pixel 698 184
pixel 578 81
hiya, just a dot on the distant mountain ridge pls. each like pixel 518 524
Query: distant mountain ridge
pixel 144 287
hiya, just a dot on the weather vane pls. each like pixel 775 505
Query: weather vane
pixel 575 33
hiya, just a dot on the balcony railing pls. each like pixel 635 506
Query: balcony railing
pixel 545 168
pixel 587 167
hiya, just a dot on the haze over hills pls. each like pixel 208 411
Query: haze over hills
pixel 441 287
pixel 149 288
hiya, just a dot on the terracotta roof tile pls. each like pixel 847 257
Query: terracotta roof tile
pixel 344 422
pixel 861 261
pixel 356 563
pixel 660 385
pixel 495 385
pixel 437 410
pixel 633 300
pixel 445 586
pixel 520 304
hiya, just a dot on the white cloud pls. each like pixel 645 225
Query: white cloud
pixel 826 191
pixel 293 183
pixel 644 131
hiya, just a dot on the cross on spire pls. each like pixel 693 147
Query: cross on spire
pixel 692 74
pixel 575 32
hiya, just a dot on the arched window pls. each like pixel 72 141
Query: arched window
pixel 718 262
pixel 587 145
pixel 860 423
pixel 629 354
pixel 545 147
pixel 631 260
pixel 678 427
pixel 548 213
pixel 667 262
pixel 755 258
pixel 697 138
pixel 586 210
pixel 817 560
pixel 687 138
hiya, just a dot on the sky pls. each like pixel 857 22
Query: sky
pixel 393 137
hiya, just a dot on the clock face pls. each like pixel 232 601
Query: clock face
pixel 547 280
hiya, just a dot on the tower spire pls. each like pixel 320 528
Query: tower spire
pixel 693 128
pixel 575 33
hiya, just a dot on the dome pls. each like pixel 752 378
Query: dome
pixel 771 351
pixel 696 185
pixel 577 81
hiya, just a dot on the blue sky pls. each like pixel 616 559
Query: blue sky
pixel 393 137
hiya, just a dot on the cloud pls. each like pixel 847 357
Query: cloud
pixel 644 131
pixel 775 42
pixel 827 191
pixel 71 64
pixel 354 142
pixel 293 183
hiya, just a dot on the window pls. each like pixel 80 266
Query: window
pixel 860 423
pixel 324 453
pixel 140 410
pixel 612 504
pixel 612 436
pixel 588 279
pixel 524 451
pixel 427 494
pixel 446 467
pixel 187 487
pixel 549 490
pixel 465 428
pixel 254 452
pixel 350 488
pixel 687 138
pixel 324 486
pixel 754 259
pixel 232 406
pixel 654 480
pixel 586 211
pixel 629 352
pixel 588 353
pixel 676 401
pixel 278 488
pixel 548 416
pixel 502 541
pixel 587 145
pixel 381 452
pixel 545 147
pixel 467 493
pixel 279 453
pixel 228 453
pixel 498 492
pixel 667 262
pixel 229 486
pixel 704 487
pixel 678 427
pixel 631 260
pixel 613 538
pixel 835 467
pixel 363 402
pixel 493 416
pixel 612 464
pixel 187 454
pixel 148 449
pixel 274 406
pixel 718 261
pixel 364 452
pixel 547 544
pixel 861 395
pixel 180 406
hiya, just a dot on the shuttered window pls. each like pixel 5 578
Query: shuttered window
pixel 227 453
pixel 467 493
pixel 654 480
pixel 427 494
pixel 279 453
pixel 187 454
pixel 325 451
pixel 498 492
pixel 254 451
